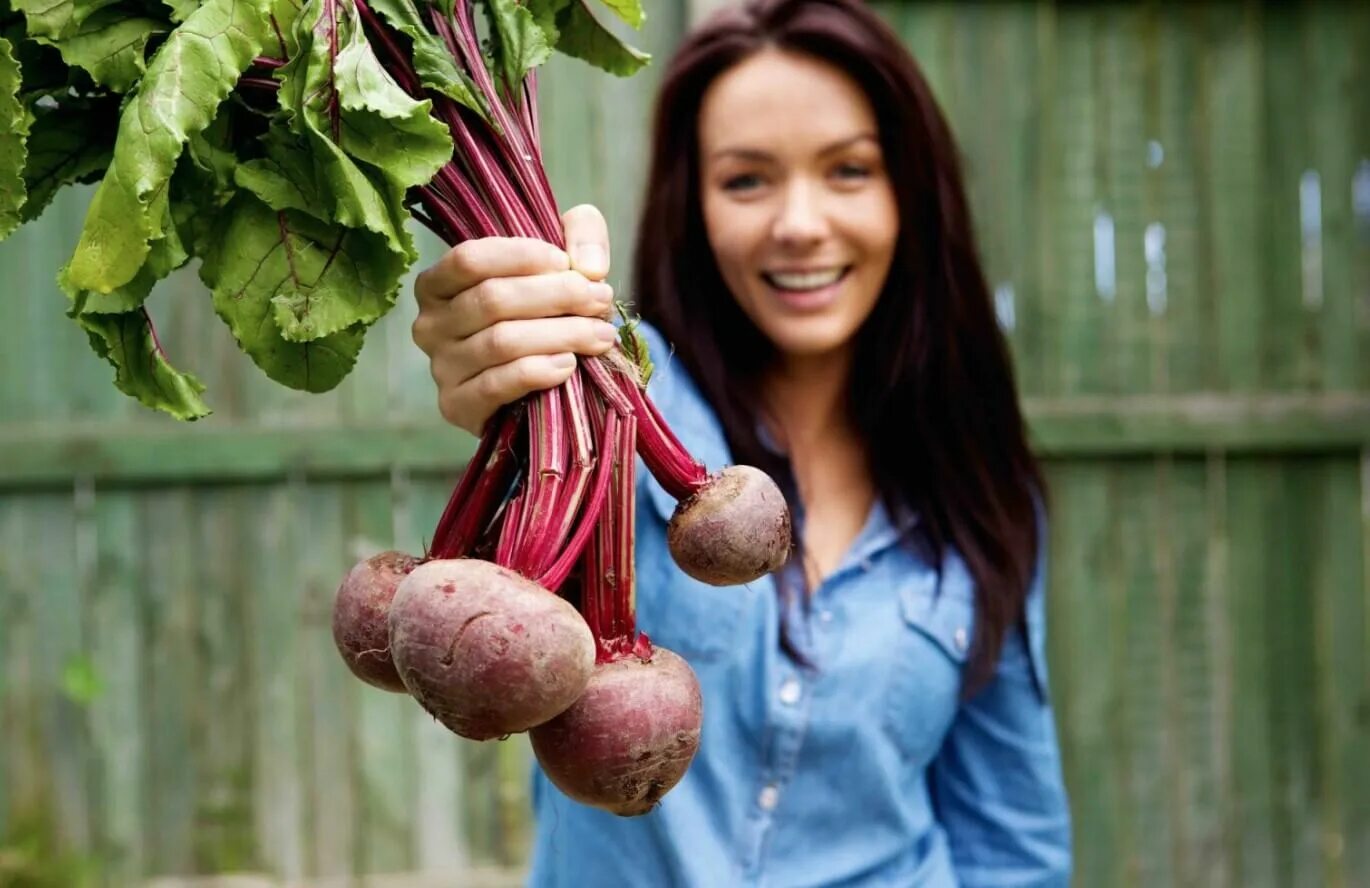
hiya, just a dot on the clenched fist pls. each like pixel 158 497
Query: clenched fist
pixel 500 317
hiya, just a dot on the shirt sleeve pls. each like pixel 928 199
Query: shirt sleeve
pixel 996 781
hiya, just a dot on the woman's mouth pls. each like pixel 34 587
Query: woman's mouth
pixel 808 290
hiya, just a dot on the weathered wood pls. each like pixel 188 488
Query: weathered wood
pixel 1210 464
pixel 119 648
pixel 53 456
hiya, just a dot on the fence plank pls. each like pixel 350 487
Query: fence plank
pixel 279 756
pixel 119 645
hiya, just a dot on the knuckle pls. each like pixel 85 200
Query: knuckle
pixel 489 389
pixel 449 406
pixel 486 298
pixel 422 281
pixel 421 331
pixel 463 256
pixel 574 287
pixel 499 341
pixel 530 374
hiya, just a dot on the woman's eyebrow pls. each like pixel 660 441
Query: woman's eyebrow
pixel 744 153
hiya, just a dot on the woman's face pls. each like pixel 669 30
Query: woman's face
pixel 799 210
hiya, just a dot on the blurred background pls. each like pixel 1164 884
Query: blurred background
pixel 1174 209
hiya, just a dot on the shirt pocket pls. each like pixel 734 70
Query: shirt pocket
pixel 929 657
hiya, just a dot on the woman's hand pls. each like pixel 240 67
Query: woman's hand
pixel 501 317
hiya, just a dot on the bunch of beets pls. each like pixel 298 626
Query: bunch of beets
pixel 520 616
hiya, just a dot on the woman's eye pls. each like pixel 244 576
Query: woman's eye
pixel 741 182
pixel 852 171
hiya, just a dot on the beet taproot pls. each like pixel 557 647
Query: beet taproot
pixel 629 738
pixel 732 530
pixel 361 630
pixel 485 651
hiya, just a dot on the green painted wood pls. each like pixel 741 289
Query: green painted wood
pixel 118 652
pixel 1249 501
pixel 217 541
pixel 1082 681
pixel 1235 180
pixel 1121 66
pixel 280 754
pixel 15 766
pixel 1337 667
pixel 176 453
pixel 1061 427
pixel 326 699
pixel 1210 598
pixel 1222 861
pixel 49 538
pixel 1290 335
pixel 1353 641
pixel 1180 346
pixel 174 675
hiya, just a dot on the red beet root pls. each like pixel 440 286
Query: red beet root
pixel 485 651
pixel 629 738
pixel 360 629
pixel 734 529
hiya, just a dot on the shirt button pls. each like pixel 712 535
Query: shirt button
pixel 769 797
pixel 961 639
pixel 790 692
pixel 825 616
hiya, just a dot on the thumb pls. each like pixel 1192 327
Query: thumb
pixel 587 241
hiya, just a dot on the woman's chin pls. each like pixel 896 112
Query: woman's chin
pixel 808 337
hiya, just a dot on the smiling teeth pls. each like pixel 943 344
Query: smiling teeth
pixel 811 280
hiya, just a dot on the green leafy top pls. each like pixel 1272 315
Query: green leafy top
pixel 264 137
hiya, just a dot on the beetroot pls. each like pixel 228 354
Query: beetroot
pixel 729 528
pixel 360 628
pixel 629 738
pixel 485 651
pixel 732 530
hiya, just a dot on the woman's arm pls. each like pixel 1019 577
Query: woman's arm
pixel 997 783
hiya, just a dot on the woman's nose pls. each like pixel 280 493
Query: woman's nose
pixel 800 220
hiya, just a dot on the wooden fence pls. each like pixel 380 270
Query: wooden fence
pixel 1174 206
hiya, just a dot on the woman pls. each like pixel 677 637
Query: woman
pixel 875 714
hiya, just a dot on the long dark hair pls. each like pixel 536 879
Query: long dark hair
pixel 932 389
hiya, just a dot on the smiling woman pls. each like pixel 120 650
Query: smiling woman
pixel 875 712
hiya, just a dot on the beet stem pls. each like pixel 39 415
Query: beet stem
pixel 577 466
pixel 471 507
pixel 667 459
pixel 591 517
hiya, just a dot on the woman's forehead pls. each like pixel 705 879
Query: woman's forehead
pixel 782 98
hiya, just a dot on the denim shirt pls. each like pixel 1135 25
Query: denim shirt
pixel 866 769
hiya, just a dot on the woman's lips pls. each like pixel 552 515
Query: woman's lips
pixel 807 300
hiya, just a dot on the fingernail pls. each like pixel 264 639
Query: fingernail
pixel 606 333
pixel 602 293
pixel 563 362
pixel 589 258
